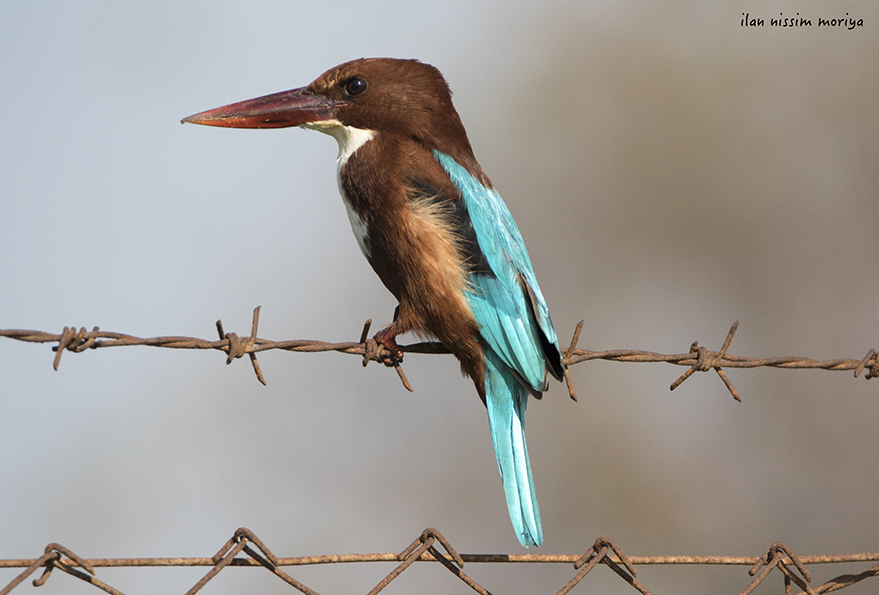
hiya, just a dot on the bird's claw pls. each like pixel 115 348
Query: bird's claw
pixel 391 361
pixel 386 338
pixel 394 358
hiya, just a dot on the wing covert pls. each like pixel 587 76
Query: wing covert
pixel 506 301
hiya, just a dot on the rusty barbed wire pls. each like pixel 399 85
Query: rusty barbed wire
pixel 425 549
pixel 698 358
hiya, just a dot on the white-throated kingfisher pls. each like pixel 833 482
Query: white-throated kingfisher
pixel 438 235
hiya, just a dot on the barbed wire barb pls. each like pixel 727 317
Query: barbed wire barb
pixel 238 348
pixel 569 382
pixel 698 358
pixel 871 356
pixel 707 360
pixel 375 351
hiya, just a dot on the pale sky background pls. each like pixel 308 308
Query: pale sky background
pixel 671 172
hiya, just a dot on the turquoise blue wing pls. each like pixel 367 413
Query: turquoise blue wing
pixel 506 300
pixel 520 343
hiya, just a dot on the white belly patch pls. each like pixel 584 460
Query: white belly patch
pixel 358 226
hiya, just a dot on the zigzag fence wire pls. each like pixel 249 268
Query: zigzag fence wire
pixel 426 548
pixel 245 549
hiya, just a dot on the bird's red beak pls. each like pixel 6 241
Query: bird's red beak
pixel 278 110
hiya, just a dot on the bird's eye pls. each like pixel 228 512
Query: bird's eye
pixel 356 86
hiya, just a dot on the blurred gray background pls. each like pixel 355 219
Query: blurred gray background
pixel 671 172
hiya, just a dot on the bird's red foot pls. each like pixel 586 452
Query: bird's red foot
pixel 387 338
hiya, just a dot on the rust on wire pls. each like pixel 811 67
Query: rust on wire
pixel 774 557
pixel 240 542
pixel 51 559
pixel 698 358
pixel 426 548
pixel 569 382
pixel 237 348
pixel 599 553
pixel 425 544
pixel 707 360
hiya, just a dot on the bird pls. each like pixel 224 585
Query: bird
pixel 438 235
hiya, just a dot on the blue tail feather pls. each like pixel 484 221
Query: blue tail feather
pixel 506 399
pixel 518 340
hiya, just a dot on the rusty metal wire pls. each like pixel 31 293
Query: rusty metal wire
pixel 604 551
pixel 426 548
pixel 698 358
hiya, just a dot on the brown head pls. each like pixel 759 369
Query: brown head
pixel 381 95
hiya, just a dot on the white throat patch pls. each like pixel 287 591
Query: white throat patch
pixel 350 139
